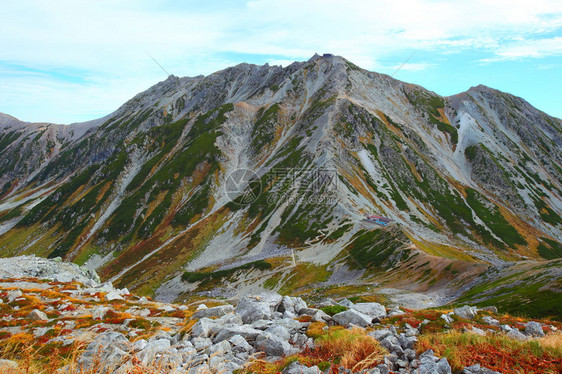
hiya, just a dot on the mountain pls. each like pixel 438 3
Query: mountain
pixel 261 176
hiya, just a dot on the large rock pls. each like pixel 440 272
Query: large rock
pixel 296 368
pixel 37 315
pixel 239 344
pixel 373 310
pixel 429 364
pixel 205 327
pixel 465 312
pixel 247 332
pixel 153 348
pixel 279 331
pixel 534 329
pixel 274 345
pixel 477 369
pixel 214 312
pixel 105 353
pixel 252 309
pixel 516 334
pixel 352 317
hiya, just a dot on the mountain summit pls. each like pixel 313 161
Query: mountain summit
pixel 263 176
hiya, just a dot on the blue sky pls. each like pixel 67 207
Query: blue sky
pixel 65 61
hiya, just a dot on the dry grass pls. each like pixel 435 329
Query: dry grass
pixel 496 352
pixel 552 341
pixel 352 349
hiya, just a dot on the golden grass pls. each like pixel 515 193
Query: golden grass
pixel 495 351
pixel 352 349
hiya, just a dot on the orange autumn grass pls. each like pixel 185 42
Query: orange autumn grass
pixel 496 351
pixel 352 349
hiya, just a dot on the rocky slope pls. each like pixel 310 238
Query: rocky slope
pixel 473 183
pixel 56 317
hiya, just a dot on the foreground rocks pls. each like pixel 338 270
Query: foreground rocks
pixel 122 332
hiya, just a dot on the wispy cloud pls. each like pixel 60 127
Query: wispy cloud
pixel 106 40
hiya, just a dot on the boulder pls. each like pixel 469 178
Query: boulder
pixel 113 295
pixel 252 309
pixel 465 312
pixel 352 317
pixel 477 331
pixel 200 343
pixel 14 294
pixel 205 327
pixel 296 368
pixel 429 364
pixel 516 334
pixel 492 309
pixel 273 345
pixel 534 329
pixel 99 312
pixel 247 332
pixel 447 318
pixel 214 312
pixel 106 352
pixel 279 331
pixel 373 310
pixel 239 344
pixel 380 334
pixel 477 369
pixel 37 315
pixel 219 348
pixel 491 321
pixel 290 324
pixel 153 348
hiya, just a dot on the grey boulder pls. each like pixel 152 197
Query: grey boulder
pixel 106 352
pixel 352 317
pixel 534 329
pixel 214 312
pixel 252 309
pixel 465 312
pixel 373 310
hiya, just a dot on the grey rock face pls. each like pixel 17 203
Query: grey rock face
pixel 107 351
pixel 297 368
pixel 373 310
pixel 240 344
pixel 273 345
pixel 204 327
pixel 477 369
pixel 448 319
pixel 38 315
pixel 37 267
pixel 251 309
pixel 465 312
pixel 227 332
pixel 429 364
pixel 214 312
pixel 352 317
pixel 153 348
pixel 491 321
pixel 516 334
pixel 534 329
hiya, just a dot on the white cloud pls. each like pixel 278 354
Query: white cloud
pixel 107 39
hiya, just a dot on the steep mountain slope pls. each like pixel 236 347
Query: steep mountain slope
pixel 471 181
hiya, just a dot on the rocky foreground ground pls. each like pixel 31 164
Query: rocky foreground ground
pixel 59 317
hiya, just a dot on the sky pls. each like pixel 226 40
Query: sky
pixel 66 61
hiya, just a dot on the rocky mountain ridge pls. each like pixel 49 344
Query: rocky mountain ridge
pixel 472 182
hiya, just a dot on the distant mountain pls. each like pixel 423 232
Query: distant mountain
pixel 472 183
